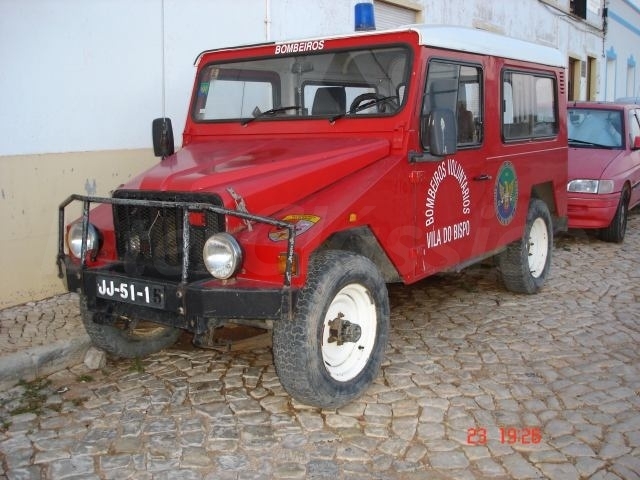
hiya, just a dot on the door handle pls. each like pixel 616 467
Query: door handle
pixel 482 177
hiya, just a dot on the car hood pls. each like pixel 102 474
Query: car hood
pixel 590 163
pixel 267 173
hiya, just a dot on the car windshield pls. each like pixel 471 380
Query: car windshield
pixel 332 85
pixel 589 128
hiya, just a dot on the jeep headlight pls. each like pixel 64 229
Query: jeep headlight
pixel 74 239
pixel 590 186
pixel 222 255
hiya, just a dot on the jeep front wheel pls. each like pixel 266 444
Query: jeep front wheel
pixel 525 264
pixel 332 349
pixel 127 338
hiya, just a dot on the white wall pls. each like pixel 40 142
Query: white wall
pixel 83 75
pixel 544 21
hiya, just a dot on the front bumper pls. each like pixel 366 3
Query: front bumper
pixel 592 210
pixel 189 306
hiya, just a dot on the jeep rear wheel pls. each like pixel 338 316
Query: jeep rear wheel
pixel 525 264
pixel 331 351
pixel 126 338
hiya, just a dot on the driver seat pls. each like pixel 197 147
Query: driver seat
pixel 329 101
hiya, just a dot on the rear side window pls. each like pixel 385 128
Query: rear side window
pixel 529 106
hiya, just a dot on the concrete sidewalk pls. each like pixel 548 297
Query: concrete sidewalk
pixel 40 338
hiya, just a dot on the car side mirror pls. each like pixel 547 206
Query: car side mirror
pixel 162 134
pixel 636 143
pixel 441 132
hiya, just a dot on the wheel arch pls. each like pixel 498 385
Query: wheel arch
pixel 545 192
pixel 362 241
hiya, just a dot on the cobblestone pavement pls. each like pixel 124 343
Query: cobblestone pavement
pixel 478 383
pixel 39 323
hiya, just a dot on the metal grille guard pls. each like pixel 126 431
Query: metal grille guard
pixel 186 207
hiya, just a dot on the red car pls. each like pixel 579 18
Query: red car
pixel 604 166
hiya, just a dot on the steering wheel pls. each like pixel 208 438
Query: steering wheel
pixel 372 99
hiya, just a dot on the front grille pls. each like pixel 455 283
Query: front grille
pixel 149 239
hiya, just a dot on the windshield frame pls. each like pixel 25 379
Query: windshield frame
pixel 300 87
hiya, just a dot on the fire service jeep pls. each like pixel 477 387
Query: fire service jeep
pixel 311 174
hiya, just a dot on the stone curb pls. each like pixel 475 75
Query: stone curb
pixel 42 360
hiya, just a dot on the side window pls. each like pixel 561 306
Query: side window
pixel 529 107
pixel 456 87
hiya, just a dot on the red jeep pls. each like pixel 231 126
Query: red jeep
pixel 314 172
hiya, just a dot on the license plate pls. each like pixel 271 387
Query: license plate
pixel 137 293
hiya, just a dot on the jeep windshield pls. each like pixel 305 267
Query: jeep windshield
pixel 352 83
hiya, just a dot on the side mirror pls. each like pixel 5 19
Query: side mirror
pixel 162 134
pixel 441 132
pixel 636 143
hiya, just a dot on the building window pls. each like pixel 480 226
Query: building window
pixel 578 8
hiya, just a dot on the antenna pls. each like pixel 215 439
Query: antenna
pixel 163 58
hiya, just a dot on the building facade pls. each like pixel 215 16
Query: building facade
pixel 622 47
pixel 81 82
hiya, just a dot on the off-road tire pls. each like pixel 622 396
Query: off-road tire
pixel 525 264
pixel 313 370
pixel 618 227
pixel 123 343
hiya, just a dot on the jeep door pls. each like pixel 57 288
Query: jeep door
pixel 450 188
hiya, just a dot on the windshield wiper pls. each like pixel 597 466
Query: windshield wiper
pixel 590 144
pixel 267 113
pixel 364 105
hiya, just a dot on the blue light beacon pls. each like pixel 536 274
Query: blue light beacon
pixel 364 17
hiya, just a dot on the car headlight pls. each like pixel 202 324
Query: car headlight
pixel 590 186
pixel 222 255
pixel 74 239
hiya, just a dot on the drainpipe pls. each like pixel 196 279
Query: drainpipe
pixel 267 20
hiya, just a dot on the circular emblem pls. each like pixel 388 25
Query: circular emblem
pixel 505 193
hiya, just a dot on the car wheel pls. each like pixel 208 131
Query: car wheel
pixel 525 264
pixel 126 338
pixel 618 227
pixel 332 349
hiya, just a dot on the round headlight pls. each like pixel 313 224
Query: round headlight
pixel 222 255
pixel 74 239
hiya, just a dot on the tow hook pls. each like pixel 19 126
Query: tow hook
pixel 343 331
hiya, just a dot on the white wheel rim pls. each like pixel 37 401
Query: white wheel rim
pixel 344 362
pixel 538 247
